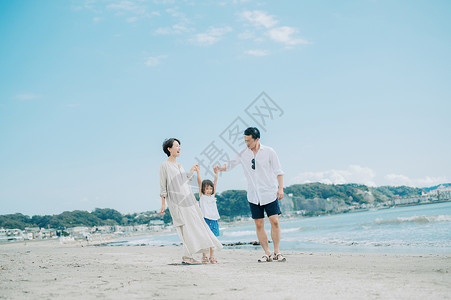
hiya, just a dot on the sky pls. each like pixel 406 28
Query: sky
pixel 352 91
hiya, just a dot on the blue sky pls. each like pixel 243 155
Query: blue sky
pixel 90 89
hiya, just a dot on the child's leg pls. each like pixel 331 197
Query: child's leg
pixel 204 258
pixel 212 257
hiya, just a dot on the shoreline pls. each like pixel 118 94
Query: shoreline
pixel 51 270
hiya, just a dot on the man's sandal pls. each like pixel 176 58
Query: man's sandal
pixel 265 258
pixel 213 260
pixel 278 257
pixel 189 261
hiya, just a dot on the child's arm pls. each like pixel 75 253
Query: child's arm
pixel 216 180
pixel 199 180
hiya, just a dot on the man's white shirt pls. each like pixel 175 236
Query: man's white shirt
pixel 262 182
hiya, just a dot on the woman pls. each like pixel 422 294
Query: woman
pixel 186 215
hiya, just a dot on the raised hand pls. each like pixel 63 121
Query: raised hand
pixel 194 168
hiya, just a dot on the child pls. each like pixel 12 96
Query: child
pixel 207 202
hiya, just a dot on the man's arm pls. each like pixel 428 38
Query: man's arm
pixel 230 164
pixel 280 190
pixel 277 169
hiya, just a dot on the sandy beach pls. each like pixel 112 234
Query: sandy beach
pixel 49 270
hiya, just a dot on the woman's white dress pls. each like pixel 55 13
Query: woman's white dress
pixel 186 215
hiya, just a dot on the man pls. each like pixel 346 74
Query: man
pixel 265 188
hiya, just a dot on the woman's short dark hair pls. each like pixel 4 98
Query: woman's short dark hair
pixel 252 131
pixel 168 143
pixel 206 183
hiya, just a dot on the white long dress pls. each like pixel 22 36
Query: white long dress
pixel 186 215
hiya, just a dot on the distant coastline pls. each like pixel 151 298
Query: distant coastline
pixel 306 200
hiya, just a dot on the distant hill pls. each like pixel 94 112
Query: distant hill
pixel 311 197
pixel 350 192
pixel 428 189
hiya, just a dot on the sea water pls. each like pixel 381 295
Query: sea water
pixel 413 229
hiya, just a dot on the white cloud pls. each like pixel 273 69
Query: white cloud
pixel 212 36
pixel 286 35
pixel 262 21
pixel 259 18
pixel 257 52
pixel 134 10
pixel 27 96
pixel 127 6
pixel 154 60
pixel 96 19
pixel 181 23
pixel 399 179
pixel 175 29
pixel 353 174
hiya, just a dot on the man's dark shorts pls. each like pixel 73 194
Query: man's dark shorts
pixel 258 211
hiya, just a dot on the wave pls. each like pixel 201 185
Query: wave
pixel 371 243
pixel 145 243
pixel 415 220
pixel 253 233
pixel 239 233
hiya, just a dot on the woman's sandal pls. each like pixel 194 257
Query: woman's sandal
pixel 213 260
pixel 265 258
pixel 189 261
pixel 279 257
pixel 205 260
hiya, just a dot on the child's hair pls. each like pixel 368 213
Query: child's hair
pixel 206 183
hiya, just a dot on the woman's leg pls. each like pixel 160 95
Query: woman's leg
pixel 185 252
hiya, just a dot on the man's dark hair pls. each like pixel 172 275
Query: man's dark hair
pixel 252 131
pixel 206 183
pixel 168 143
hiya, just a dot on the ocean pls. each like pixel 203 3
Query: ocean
pixel 413 229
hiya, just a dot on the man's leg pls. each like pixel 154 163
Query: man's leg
pixel 275 232
pixel 261 234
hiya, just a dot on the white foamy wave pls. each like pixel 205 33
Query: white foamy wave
pixel 253 233
pixel 291 230
pixel 239 233
pixel 371 243
pixel 415 219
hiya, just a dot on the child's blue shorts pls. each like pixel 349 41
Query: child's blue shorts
pixel 214 226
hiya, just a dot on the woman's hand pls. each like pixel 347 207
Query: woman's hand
pixel 194 168
pixel 163 205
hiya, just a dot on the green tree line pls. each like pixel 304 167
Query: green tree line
pixel 231 203
pixel 67 219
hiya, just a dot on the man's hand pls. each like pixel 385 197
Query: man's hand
pixel 280 193
pixel 220 169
